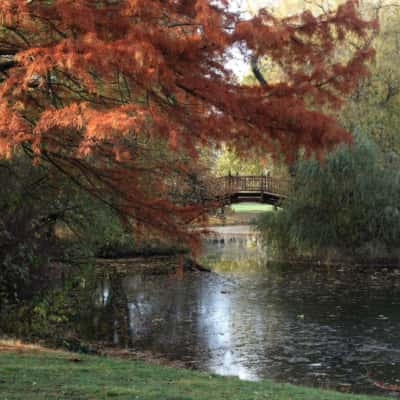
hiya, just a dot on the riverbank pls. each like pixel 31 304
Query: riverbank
pixel 49 374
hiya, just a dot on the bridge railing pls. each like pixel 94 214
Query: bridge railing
pixel 231 184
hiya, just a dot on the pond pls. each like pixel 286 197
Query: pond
pixel 313 325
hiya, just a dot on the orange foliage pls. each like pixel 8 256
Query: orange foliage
pixel 91 80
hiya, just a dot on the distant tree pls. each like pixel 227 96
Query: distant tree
pixel 97 89
pixel 228 161
pixel 374 107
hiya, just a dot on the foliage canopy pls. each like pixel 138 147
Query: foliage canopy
pixel 92 88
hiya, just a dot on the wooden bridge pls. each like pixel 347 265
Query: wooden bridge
pixel 262 189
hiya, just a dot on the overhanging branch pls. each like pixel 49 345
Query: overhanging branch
pixel 6 62
pixel 256 71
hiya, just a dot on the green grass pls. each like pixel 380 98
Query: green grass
pixel 53 375
pixel 251 207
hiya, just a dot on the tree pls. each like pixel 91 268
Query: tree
pixel 374 106
pixel 228 162
pixel 94 88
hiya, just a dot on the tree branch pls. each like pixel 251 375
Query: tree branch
pixel 256 71
pixel 7 62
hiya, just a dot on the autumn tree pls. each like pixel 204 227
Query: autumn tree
pixel 95 88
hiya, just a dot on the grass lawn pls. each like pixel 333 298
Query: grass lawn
pixel 251 207
pixel 44 374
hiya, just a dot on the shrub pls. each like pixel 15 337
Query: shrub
pixel 347 205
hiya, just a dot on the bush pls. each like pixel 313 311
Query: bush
pixel 347 205
pixel 46 219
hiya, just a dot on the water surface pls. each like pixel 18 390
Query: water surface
pixel 331 327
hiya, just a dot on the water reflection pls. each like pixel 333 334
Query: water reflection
pixel 234 249
pixel 310 325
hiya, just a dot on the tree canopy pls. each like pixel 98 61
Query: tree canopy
pixel 98 88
